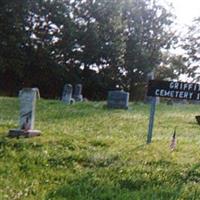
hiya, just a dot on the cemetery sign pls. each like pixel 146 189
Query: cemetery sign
pixel 172 89
pixel 169 89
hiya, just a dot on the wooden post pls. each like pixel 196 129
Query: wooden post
pixel 151 119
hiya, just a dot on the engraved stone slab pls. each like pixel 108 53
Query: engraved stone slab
pixel 27 98
pixel 118 99
pixel 78 92
pixel 67 93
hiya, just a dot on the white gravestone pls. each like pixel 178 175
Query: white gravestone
pixel 78 93
pixel 67 94
pixel 27 97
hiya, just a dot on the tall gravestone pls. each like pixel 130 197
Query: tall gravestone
pixel 27 97
pixel 118 99
pixel 78 92
pixel 67 93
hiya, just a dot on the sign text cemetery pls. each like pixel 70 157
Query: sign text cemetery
pixel 172 89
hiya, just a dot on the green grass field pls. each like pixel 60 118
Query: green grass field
pixel 89 152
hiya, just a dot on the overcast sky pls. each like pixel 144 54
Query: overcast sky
pixel 186 10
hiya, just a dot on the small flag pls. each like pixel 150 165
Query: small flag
pixel 173 141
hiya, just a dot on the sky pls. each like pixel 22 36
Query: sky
pixel 185 10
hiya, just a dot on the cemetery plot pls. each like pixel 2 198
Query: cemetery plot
pixel 99 153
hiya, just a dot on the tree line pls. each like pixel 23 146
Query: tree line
pixel 102 44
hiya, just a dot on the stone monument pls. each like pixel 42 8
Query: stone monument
pixel 78 93
pixel 118 99
pixel 67 94
pixel 27 97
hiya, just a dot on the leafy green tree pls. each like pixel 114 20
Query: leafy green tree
pixel 44 67
pixel 191 45
pixel 148 32
pixel 99 43
pixel 30 31
pixel 171 67
pixel 12 34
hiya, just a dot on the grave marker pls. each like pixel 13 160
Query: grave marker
pixel 78 92
pixel 27 97
pixel 67 94
pixel 118 99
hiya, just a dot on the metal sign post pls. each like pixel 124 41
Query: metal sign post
pixel 151 119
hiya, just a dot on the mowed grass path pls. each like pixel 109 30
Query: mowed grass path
pixel 89 152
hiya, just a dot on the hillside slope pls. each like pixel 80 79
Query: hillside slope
pixel 89 152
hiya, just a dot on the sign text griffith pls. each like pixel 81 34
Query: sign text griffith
pixel 172 89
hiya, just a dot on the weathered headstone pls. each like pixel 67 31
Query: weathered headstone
pixel 27 97
pixel 118 99
pixel 67 94
pixel 78 93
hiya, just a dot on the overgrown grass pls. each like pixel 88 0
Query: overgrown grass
pixel 89 152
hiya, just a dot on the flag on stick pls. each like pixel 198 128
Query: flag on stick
pixel 173 141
